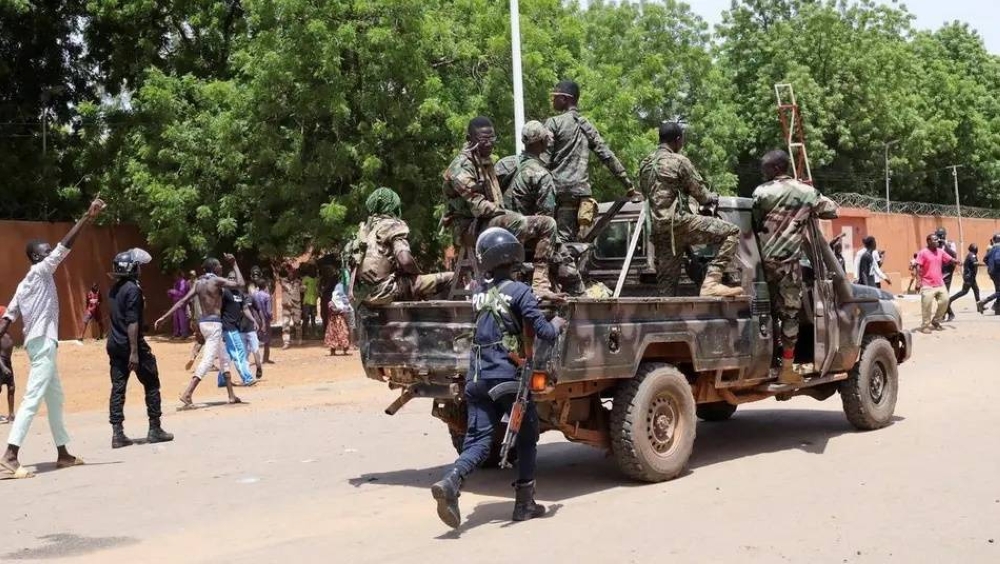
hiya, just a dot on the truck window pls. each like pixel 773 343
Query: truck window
pixel 613 243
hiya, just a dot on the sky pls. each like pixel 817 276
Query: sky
pixel 984 15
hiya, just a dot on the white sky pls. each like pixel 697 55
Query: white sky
pixel 984 15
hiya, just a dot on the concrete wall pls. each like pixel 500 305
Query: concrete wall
pixel 902 235
pixel 89 262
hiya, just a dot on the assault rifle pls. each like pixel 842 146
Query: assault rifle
pixel 521 388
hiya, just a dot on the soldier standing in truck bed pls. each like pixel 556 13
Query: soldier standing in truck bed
pixel 669 181
pixel 475 203
pixel 569 155
pixel 781 209
pixel 383 267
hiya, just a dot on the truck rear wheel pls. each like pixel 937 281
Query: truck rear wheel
pixel 715 411
pixel 653 423
pixel 869 393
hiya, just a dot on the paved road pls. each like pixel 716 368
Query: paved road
pixel 316 473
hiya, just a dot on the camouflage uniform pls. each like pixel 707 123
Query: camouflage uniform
pixel 474 200
pixel 781 209
pixel 568 157
pixel 532 190
pixel 669 181
pixel 379 280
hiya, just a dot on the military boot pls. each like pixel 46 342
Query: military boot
pixel 118 438
pixel 446 493
pixel 788 373
pixel 540 282
pixel 156 433
pixel 524 502
pixel 713 286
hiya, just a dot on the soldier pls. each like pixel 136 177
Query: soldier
pixel 532 189
pixel 668 180
pixel 568 157
pixel 781 209
pixel 502 312
pixel 475 203
pixel 384 269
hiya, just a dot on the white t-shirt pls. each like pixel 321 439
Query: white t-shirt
pixel 36 300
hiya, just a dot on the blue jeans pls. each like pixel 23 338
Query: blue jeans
pixel 484 418
pixel 237 356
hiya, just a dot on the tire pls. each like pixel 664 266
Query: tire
pixel 870 391
pixel 715 411
pixel 493 460
pixel 653 424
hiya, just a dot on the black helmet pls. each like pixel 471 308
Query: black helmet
pixel 126 263
pixel 498 247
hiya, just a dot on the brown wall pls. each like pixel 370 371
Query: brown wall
pixel 902 235
pixel 89 262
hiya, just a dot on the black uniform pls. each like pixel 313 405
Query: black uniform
pixel 970 268
pixel 127 305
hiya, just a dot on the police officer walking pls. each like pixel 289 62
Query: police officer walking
pixel 503 310
pixel 128 350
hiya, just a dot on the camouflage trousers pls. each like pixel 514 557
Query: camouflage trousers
pixel 571 213
pixel 690 230
pixel 537 229
pixel 784 284
pixel 404 288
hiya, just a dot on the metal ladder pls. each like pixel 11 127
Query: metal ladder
pixel 791 128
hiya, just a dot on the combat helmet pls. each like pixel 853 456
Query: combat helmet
pixel 126 263
pixel 497 247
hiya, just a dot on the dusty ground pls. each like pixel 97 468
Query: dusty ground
pixel 312 471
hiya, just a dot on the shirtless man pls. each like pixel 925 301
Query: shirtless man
pixel 208 288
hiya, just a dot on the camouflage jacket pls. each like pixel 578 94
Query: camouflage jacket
pixel 532 190
pixel 505 169
pixel 569 155
pixel 669 181
pixel 471 187
pixel 781 209
pixel 375 246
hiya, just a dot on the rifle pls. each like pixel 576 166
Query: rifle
pixel 522 395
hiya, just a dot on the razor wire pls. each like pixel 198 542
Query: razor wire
pixel 878 205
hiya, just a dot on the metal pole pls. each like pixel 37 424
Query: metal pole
pixel 515 46
pixel 639 227
pixel 958 210
pixel 886 178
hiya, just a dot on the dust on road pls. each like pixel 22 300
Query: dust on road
pixel 312 471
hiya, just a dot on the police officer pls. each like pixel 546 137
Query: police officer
pixel 503 309
pixel 128 350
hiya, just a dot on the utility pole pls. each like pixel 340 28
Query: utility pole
pixel 958 208
pixel 887 145
pixel 515 46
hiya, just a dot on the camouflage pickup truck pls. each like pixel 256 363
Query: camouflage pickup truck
pixel 632 374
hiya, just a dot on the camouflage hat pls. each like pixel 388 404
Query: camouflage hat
pixel 534 131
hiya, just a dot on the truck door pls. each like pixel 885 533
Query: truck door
pixel 825 323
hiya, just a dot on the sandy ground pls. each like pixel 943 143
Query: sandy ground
pixel 311 470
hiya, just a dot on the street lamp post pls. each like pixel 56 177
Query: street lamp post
pixel 515 46
pixel 887 145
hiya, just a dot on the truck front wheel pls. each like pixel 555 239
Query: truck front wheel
pixel 869 393
pixel 653 423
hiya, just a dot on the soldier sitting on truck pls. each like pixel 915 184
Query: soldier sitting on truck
pixel 475 203
pixel 782 207
pixel 668 180
pixel 502 312
pixel 382 265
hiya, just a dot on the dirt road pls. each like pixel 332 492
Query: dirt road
pixel 312 471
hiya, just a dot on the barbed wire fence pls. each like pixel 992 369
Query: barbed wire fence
pixel 876 204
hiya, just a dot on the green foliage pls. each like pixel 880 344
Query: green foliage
pixel 262 125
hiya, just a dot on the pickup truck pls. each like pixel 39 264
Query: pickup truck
pixel 634 373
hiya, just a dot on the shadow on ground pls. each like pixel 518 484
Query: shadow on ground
pixel 569 470
pixel 65 545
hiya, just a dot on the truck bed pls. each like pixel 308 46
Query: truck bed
pixel 430 341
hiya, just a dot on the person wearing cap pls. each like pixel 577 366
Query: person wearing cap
pixel 36 302
pixel 475 203
pixel 128 350
pixel 573 138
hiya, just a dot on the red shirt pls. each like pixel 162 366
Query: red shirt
pixel 930 263
pixel 93 301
